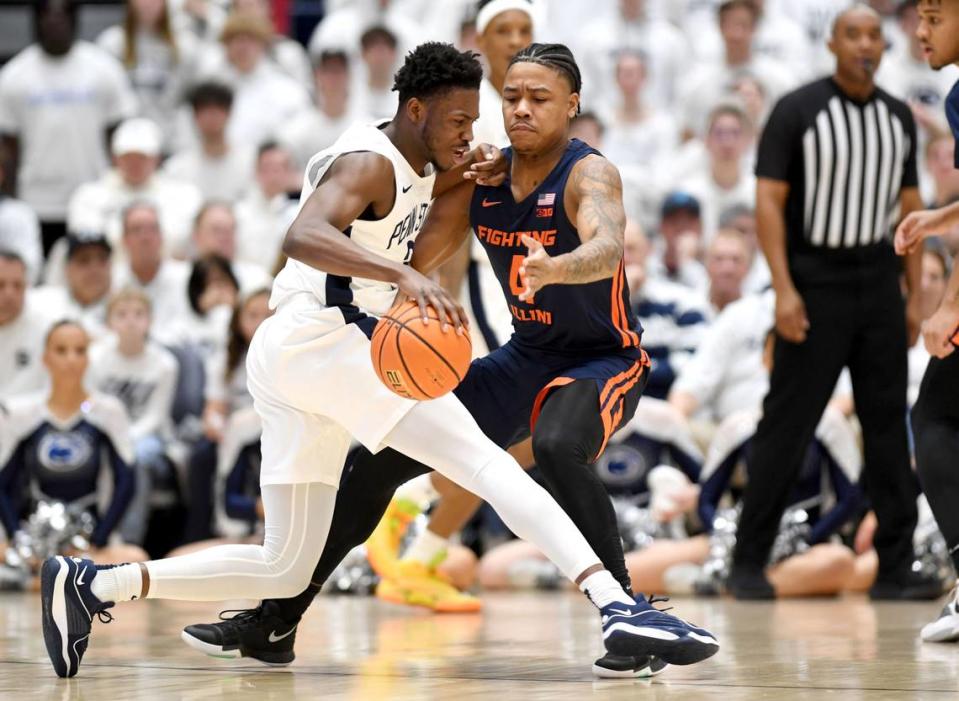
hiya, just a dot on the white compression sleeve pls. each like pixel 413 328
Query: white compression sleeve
pixel 297 523
pixel 442 434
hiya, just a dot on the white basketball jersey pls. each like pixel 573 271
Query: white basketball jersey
pixel 391 237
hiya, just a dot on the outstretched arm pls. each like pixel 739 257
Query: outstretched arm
pixel 594 201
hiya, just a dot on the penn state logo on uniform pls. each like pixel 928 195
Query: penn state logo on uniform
pixel 64 451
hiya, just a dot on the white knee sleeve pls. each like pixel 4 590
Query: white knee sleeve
pixel 297 523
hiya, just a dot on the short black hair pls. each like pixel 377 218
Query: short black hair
pixel 555 56
pixel 435 67
pixel 211 94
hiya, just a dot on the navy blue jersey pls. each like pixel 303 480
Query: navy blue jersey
pixel 589 318
pixel 952 114
pixel 62 461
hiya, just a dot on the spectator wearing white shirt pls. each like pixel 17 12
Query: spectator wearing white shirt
pixel 215 233
pixel 83 297
pixel 20 233
pixel 726 374
pixel 342 27
pixel 373 83
pixel 157 60
pixel 726 180
pixel 287 54
pixel 263 95
pixel 318 126
pixel 727 261
pixel 713 82
pixel 264 215
pixel 203 20
pixel 96 206
pixel 673 317
pixel 218 167
pixel 778 36
pixel 23 328
pixel 59 99
pixel 212 290
pixel 743 220
pixel 676 257
pixel 142 374
pixel 631 27
pixel 144 267
pixel 636 133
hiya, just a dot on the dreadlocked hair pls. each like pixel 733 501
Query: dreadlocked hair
pixel 555 56
pixel 435 67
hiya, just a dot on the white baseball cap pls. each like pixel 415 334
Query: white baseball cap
pixel 138 135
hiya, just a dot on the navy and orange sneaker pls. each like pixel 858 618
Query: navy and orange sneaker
pixel 68 610
pixel 639 630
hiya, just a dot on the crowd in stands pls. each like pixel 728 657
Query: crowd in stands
pixel 150 174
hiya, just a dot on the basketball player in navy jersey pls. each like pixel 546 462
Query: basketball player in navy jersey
pixel 571 374
pixel 935 416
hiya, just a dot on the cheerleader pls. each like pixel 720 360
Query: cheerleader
pixel 59 447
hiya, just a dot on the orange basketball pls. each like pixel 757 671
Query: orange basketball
pixel 418 361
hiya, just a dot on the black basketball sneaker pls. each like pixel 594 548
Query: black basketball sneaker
pixel 68 607
pixel 611 666
pixel 258 633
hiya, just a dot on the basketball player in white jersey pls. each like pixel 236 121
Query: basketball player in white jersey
pixel 314 386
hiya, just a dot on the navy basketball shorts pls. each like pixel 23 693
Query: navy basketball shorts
pixel 505 390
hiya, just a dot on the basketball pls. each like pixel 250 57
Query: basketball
pixel 417 360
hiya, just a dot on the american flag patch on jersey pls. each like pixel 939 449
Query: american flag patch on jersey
pixel 546 199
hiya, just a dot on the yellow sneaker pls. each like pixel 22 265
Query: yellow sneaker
pixel 383 545
pixel 415 584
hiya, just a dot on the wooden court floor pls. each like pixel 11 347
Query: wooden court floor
pixel 525 646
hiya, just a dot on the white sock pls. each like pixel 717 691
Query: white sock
pixel 121 583
pixel 603 590
pixel 428 548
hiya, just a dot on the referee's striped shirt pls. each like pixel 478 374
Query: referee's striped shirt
pixel 846 163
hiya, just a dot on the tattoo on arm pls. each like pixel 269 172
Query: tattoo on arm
pixel 601 221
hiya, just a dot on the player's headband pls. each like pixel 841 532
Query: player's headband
pixel 489 11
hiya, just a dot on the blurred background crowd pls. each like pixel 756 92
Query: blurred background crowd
pixel 152 157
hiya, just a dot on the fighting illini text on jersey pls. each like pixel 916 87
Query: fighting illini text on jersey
pixel 592 317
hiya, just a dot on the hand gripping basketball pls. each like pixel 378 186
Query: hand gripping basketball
pixel 416 360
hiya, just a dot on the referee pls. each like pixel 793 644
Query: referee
pixel 836 166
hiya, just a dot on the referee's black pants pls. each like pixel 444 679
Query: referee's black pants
pixel 935 424
pixel 856 321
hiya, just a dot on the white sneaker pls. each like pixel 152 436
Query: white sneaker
pixel 944 629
